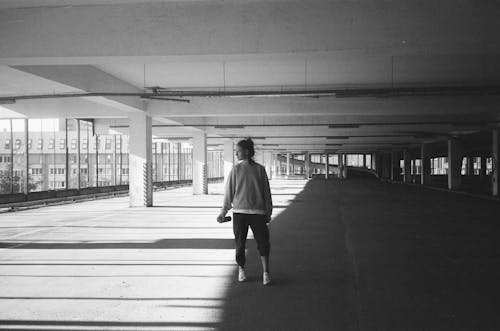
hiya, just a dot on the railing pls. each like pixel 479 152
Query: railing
pixel 21 200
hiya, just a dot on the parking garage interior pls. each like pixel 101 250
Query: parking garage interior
pixel 377 122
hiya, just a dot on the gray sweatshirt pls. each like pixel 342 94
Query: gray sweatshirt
pixel 247 190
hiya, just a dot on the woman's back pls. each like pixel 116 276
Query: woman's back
pixel 247 188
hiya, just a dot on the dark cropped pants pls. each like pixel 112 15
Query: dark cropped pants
pixel 241 222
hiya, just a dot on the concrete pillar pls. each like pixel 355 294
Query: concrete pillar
pixel 278 165
pixel 376 163
pixel 228 158
pixel 380 165
pixel 495 156
pixel 407 166
pixel 341 166
pixel 259 157
pixel 287 164
pixel 26 188
pixel 364 160
pixel 307 164
pixel 327 166
pixel 470 166
pixel 393 165
pixel 140 161
pixel 200 178
pixel 482 170
pixel 344 166
pixel 425 162
pixel 455 156
pixel 268 163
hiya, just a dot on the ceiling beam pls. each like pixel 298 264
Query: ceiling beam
pixel 90 79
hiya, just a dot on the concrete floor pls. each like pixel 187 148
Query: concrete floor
pixel 346 255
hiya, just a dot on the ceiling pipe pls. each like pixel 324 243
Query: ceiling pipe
pixel 178 95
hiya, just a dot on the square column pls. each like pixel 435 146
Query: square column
pixel 307 164
pixel 259 157
pixel 407 166
pixel 455 157
pixel 495 156
pixel 341 166
pixel 200 178
pixel 140 159
pixel 395 167
pixel 287 164
pixel 228 158
pixel 482 168
pixel 377 164
pixel 278 164
pixel 344 166
pixel 327 166
pixel 470 166
pixel 425 161
pixel 268 163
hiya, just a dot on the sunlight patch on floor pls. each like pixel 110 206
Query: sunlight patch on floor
pixel 100 265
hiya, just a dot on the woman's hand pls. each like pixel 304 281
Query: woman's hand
pixel 220 218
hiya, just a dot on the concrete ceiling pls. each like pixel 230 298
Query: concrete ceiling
pixel 124 46
pixel 66 3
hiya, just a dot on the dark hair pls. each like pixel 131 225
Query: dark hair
pixel 248 145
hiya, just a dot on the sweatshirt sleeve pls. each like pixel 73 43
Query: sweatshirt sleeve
pixel 268 201
pixel 228 193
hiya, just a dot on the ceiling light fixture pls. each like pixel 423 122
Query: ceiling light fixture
pixel 229 126
pixel 343 126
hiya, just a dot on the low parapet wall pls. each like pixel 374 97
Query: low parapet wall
pixel 20 200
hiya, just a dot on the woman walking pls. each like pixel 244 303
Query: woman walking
pixel 248 193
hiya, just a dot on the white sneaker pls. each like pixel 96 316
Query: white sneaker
pixel 241 275
pixel 266 280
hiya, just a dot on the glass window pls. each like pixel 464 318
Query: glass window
pixel 5 177
pixel 19 178
pixel 73 143
pixel 465 162
pixel 51 144
pixel 489 166
pixel 87 157
pixel 477 165
pixel 40 144
pixel 62 143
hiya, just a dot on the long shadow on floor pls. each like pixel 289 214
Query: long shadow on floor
pixel 427 260
pixel 195 243
pixel 313 285
pixel 364 255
